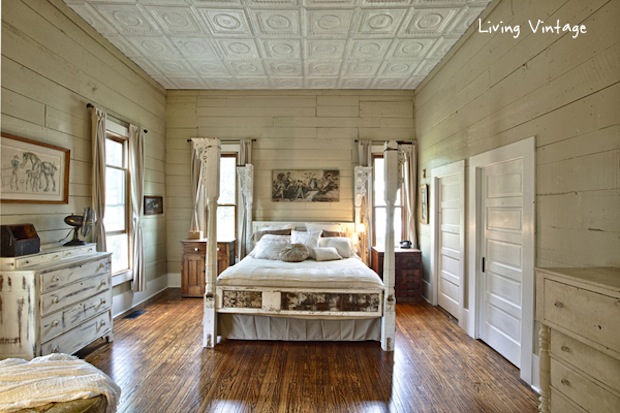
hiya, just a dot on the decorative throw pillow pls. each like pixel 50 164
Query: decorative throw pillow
pixel 294 253
pixel 326 254
pixel 269 246
pixel 259 234
pixel 342 244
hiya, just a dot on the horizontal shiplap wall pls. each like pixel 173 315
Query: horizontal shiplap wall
pixel 495 89
pixel 53 64
pixel 293 130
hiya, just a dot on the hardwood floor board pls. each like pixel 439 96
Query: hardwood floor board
pixel 158 360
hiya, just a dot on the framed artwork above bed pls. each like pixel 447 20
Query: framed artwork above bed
pixel 305 185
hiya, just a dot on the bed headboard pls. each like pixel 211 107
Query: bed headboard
pixel 348 228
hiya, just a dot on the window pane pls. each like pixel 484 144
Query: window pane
pixel 225 223
pixel 378 182
pixel 115 199
pixel 114 153
pixel 118 245
pixel 228 179
pixel 380 225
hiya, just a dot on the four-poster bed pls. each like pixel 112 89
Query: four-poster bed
pixel 265 299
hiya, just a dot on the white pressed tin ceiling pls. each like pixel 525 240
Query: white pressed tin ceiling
pixel 283 44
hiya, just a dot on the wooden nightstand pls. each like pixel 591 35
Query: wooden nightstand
pixel 408 272
pixel 193 264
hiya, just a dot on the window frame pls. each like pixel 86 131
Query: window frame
pixel 401 206
pixel 116 134
pixel 235 155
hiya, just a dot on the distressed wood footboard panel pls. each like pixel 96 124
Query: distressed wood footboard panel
pixel 301 302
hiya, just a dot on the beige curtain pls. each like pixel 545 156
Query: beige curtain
pixel 136 174
pixel 99 117
pixel 364 151
pixel 409 190
pixel 245 178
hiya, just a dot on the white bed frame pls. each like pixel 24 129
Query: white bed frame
pixel 273 301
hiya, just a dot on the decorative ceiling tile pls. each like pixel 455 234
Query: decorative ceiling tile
pixel 380 22
pixel 283 44
pixel 245 68
pixel 424 22
pixel 127 19
pixel 210 68
pixel 374 49
pixel 398 68
pixel 282 49
pixel 196 48
pixel 239 49
pixel 330 23
pixel 283 23
pixel 155 47
pixel 226 22
pixel 325 49
pixel 322 68
pixel 175 20
pixel 277 68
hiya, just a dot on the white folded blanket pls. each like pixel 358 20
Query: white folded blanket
pixel 50 379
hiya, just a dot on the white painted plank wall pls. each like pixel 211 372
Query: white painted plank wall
pixel 53 64
pixel 493 90
pixel 294 129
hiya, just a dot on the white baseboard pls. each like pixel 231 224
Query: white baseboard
pixel 174 280
pixel 536 373
pixel 126 301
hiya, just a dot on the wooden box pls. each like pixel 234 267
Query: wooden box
pixel 18 240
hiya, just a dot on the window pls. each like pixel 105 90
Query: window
pixel 227 202
pixel 379 207
pixel 117 211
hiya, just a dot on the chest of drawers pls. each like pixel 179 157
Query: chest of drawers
pixel 579 309
pixel 407 272
pixel 59 300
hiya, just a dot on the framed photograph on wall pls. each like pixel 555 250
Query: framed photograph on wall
pixel 153 205
pixel 305 185
pixel 33 172
pixel 424 204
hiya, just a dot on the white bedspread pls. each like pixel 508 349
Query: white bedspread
pixel 53 378
pixel 349 273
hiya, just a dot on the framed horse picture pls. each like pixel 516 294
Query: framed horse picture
pixel 33 172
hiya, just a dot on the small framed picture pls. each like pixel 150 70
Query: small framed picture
pixel 153 205
pixel 424 204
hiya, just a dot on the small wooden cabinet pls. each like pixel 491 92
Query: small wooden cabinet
pixel 193 264
pixel 408 273
pixel 579 309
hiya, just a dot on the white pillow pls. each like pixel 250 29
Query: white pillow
pixel 342 244
pixel 309 238
pixel 269 246
pixel 315 226
pixel 326 254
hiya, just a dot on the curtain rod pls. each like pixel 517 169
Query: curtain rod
pixel 224 140
pixel 90 106
pixel 379 141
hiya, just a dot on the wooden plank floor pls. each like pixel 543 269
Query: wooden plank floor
pixel 158 360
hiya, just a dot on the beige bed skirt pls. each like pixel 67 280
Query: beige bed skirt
pixel 253 327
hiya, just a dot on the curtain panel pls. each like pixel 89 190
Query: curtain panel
pixel 136 173
pixel 365 232
pixel 409 167
pixel 98 118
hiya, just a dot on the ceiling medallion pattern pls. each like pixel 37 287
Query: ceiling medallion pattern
pixel 283 44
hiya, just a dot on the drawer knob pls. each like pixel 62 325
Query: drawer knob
pixel 195 249
pixel 565 348
pixel 103 301
pixel 565 382
pixel 55 323
pixel 55 349
pixel 559 304
pixel 55 300
pixel 55 279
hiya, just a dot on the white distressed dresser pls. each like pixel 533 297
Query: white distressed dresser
pixel 58 300
pixel 579 309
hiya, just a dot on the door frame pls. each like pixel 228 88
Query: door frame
pixel 455 168
pixel 526 150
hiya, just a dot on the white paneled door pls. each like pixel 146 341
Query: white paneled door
pixel 449 269
pixel 502 251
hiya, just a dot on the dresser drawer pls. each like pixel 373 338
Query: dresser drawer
pixel 562 405
pixel 57 323
pixel 588 314
pixel 602 367
pixel 581 390
pixel 80 336
pixel 74 293
pixel 195 248
pixel 53 279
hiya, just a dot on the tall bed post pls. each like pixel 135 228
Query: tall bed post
pixel 208 150
pixel 391 169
